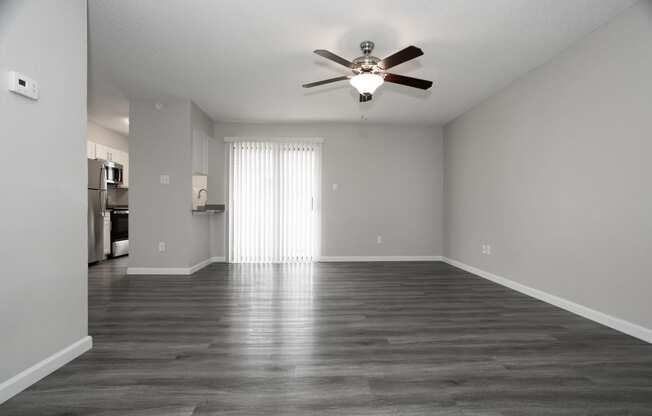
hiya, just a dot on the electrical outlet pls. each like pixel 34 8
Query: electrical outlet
pixel 488 249
pixel 379 239
pixel 161 246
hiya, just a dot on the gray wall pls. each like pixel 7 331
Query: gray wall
pixel 200 228
pixel 160 143
pixel 43 298
pixel 390 184
pixel 102 135
pixel 217 192
pixel 554 172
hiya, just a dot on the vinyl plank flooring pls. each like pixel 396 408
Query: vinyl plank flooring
pixel 420 338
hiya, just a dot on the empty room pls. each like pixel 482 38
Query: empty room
pixel 300 207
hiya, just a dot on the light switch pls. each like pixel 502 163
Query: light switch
pixel 165 179
pixel 335 186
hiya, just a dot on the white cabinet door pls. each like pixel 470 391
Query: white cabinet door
pixel 199 152
pixel 102 152
pixel 205 154
pixel 90 150
pixel 118 156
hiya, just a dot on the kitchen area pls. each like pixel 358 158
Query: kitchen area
pixel 108 194
pixel 172 221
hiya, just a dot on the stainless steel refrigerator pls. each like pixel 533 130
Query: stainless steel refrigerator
pixel 97 188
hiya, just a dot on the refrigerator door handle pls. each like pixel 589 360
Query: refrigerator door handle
pixel 102 190
pixel 102 184
pixel 104 198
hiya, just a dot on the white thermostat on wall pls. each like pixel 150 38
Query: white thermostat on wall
pixel 20 84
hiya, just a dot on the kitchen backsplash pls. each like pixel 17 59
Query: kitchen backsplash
pixel 199 182
pixel 118 197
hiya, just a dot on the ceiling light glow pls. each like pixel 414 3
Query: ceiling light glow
pixel 366 83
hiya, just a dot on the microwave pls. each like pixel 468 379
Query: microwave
pixel 113 173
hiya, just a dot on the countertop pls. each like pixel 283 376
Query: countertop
pixel 209 209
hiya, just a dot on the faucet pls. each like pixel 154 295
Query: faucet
pixel 200 191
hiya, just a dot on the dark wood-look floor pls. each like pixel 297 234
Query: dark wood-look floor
pixel 337 339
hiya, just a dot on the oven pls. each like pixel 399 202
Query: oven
pixel 119 232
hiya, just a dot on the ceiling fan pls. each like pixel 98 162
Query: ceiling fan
pixel 369 72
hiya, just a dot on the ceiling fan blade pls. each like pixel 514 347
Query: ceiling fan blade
pixel 325 81
pixel 330 55
pixel 408 81
pixel 401 56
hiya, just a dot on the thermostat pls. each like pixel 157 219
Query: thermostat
pixel 20 84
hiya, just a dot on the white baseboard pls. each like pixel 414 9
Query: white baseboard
pixel 26 378
pixel 329 259
pixel 618 324
pixel 159 270
pixel 199 265
pixel 175 270
pixel 202 264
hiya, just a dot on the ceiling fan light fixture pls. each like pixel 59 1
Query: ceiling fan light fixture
pixel 369 72
pixel 366 83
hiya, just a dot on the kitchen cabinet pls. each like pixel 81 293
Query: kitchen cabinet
pixel 101 151
pixel 199 152
pixel 90 150
pixel 104 152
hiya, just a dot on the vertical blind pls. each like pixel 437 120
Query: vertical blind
pixel 274 199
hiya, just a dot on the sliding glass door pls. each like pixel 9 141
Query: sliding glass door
pixel 274 199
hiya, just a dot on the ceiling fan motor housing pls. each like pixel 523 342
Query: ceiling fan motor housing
pixel 367 46
pixel 366 63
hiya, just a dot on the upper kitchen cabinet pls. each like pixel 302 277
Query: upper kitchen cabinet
pixel 104 152
pixel 90 150
pixel 199 152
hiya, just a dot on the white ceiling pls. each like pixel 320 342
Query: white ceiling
pixel 246 60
